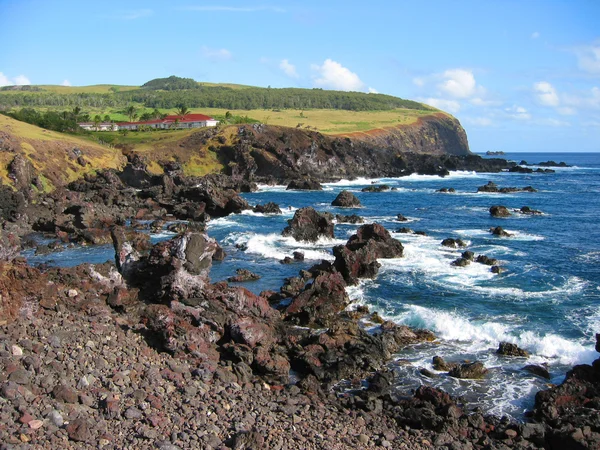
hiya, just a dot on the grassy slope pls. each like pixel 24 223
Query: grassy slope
pixel 51 153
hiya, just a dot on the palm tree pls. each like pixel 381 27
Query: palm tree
pixel 97 122
pixel 130 111
pixel 182 111
pixel 76 112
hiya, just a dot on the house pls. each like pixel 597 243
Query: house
pixel 169 122
pixel 103 126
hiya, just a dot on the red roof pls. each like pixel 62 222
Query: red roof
pixel 170 119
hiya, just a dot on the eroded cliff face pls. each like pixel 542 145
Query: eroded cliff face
pixel 434 145
pixel 438 134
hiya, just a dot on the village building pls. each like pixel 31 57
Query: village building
pixel 103 126
pixel 168 123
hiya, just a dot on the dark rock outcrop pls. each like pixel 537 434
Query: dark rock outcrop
pixel 304 185
pixel 508 349
pixel 499 211
pixel 243 275
pixel 499 231
pixel 473 370
pixel 453 243
pixel 493 188
pixel 358 258
pixel 309 225
pixel 376 188
pixel 267 208
pixel 346 199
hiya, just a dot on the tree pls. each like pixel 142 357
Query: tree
pixel 182 111
pixel 76 113
pixel 97 122
pixel 106 118
pixel 131 113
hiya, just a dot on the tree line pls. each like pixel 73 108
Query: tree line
pixel 214 97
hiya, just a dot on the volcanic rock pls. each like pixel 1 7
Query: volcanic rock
pixel 346 199
pixel 358 258
pixel 499 231
pixel 499 211
pixel 309 225
pixel 376 188
pixel 508 349
pixel 243 275
pixel 475 370
pixel 453 243
pixel 267 208
pixel 304 185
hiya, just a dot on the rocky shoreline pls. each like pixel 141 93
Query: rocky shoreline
pixel 148 353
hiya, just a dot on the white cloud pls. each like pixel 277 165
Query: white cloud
pixel 4 81
pixel 445 105
pixel 372 91
pixel 518 112
pixel 546 93
pixel 22 80
pixel 554 122
pixel 566 111
pixel 418 81
pixel 459 83
pixel 216 54
pixel 589 58
pixel 535 35
pixel 335 76
pixel 288 68
pixel 134 14
pixel 66 83
pixel 234 9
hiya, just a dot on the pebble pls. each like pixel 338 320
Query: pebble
pixel 72 293
pixel 56 418
pixel 16 350
pixel 363 439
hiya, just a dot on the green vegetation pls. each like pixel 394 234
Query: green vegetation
pixel 161 94
pixel 65 121
pixel 172 83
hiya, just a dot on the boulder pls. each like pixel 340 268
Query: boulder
pixel 538 370
pixel 354 219
pixel 401 218
pixel 461 262
pixel 499 211
pixel 346 199
pixel 468 255
pixel 474 370
pixel 499 231
pixel 508 349
pixel 453 243
pixel 304 185
pixel 243 275
pixel 377 188
pixel 309 225
pixel 358 258
pixel 529 211
pixel 483 259
pixel 320 302
pixel 441 365
pixel 267 208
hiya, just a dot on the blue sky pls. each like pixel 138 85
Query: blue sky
pixel 520 75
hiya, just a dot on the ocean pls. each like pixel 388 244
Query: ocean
pixel 547 301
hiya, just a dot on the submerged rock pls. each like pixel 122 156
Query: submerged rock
pixel 378 188
pixel 243 275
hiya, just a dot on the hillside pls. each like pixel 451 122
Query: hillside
pixel 57 158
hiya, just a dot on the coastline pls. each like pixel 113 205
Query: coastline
pixel 171 326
